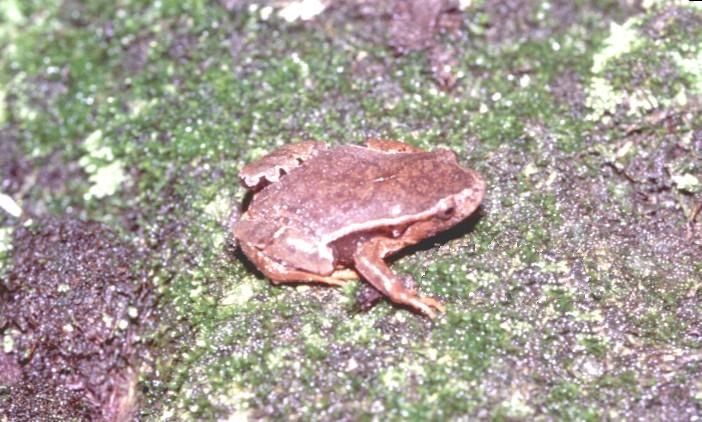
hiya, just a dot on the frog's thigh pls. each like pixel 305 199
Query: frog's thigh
pixel 369 262
pixel 285 158
pixel 389 145
pixel 279 273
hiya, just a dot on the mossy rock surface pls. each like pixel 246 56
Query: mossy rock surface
pixel 573 294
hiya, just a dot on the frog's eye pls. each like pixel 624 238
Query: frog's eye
pixel 447 213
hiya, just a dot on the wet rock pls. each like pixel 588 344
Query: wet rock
pixel 413 24
pixel 72 312
pixel 14 167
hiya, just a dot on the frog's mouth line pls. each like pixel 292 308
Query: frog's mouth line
pixel 475 192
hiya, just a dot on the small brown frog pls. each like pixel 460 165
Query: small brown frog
pixel 327 214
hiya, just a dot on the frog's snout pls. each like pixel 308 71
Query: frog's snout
pixel 234 217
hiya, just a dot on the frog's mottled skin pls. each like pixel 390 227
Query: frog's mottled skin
pixel 321 212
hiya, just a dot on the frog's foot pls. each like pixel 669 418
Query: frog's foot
pixel 279 273
pixel 367 295
pixel 369 262
pixel 389 145
pixel 269 168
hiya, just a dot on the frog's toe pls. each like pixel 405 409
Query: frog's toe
pixel 423 308
pixel 426 305
pixel 430 301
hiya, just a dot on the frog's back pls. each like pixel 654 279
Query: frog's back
pixel 352 187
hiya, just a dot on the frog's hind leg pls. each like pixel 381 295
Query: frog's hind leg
pixel 269 168
pixel 279 273
pixel 369 262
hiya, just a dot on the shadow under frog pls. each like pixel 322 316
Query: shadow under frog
pixel 330 215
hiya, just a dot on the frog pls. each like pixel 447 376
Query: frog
pixel 332 214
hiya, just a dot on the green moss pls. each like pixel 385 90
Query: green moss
pixel 183 93
pixel 626 380
pixel 561 299
pixel 563 400
pixel 594 345
pixel 361 332
pixel 441 379
pixel 659 326
pixel 448 277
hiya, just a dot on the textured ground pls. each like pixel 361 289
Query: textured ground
pixel 575 293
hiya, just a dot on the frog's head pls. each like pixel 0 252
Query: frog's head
pixel 464 203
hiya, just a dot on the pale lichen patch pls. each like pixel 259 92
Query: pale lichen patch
pixel 601 99
pixel 240 294
pixel 10 12
pixel 692 66
pixel 236 398
pixel 105 173
pixel 687 182
pixel 516 406
pixel 301 10
pixel 8 343
pixel 5 239
pixel 605 93
pixel 219 207
pixel 8 204
pixel 106 180
pixel 622 39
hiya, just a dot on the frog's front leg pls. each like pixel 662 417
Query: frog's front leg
pixel 369 262
pixel 268 169
pixel 279 273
